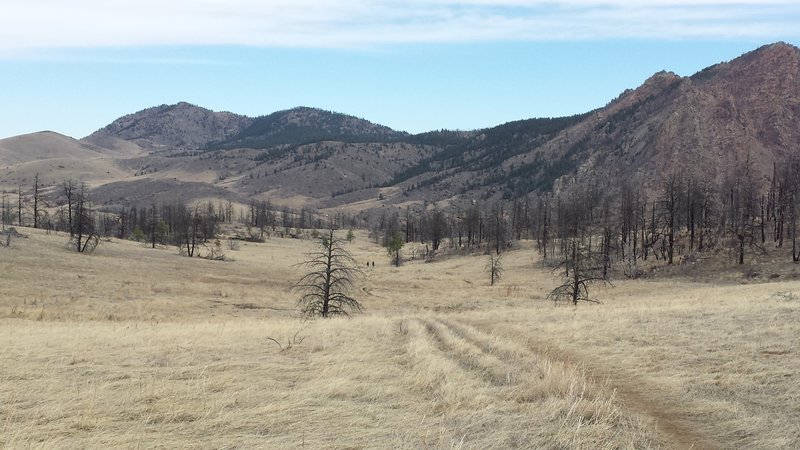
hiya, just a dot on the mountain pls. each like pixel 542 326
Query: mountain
pixel 55 157
pixel 305 125
pixel 182 126
pixel 476 159
pixel 702 126
pixel 45 145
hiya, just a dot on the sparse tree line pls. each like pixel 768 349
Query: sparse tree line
pixel 594 227
pixel 68 208
pixel 583 229
pixel 265 219
pixel 186 227
pixel 625 224
pixel 488 227
pixel 741 214
pixel 64 208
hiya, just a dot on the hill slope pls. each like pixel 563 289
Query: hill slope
pixel 747 109
pixel 171 127
pixel 305 125
pixel 700 125
pixel 54 157
pixel 46 145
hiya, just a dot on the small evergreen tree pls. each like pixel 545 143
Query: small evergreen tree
pixel 138 234
pixel 394 246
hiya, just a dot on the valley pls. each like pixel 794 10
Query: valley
pixel 133 346
pixel 702 126
pixel 647 254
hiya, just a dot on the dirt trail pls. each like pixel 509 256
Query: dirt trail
pixel 635 393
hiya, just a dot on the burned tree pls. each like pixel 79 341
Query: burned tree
pixel 582 268
pixel 670 199
pixel 325 288
pixel 498 229
pixel 69 195
pixel 741 204
pixel 20 204
pixel 186 233
pixel 494 267
pixel 5 211
pixel 793 228
pixel 85 239
pixel 36 200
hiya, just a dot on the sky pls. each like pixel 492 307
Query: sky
pixel 413 65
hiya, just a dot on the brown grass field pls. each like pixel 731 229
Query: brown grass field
pixel 132 347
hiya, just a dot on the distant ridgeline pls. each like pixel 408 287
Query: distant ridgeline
pixel 676 166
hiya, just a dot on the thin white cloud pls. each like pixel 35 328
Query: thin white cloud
pixel 52 24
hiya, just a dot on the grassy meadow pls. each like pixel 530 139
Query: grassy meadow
pixel 135 347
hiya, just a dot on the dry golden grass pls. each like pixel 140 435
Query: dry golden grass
pixel 135 347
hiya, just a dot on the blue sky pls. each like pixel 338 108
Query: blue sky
pixel 414 65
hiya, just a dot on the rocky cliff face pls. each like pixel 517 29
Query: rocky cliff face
pixel 747 109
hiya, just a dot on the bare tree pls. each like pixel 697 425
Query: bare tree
pixel 437 227
pixel 69 195
pixel 36 199
pixel 543 236
pixel 5 214
pixel 186 232
pixel 325 288
pixel 742 206
pixel 498 229
pixel 85 239
pixel 20 204
pixel 582 268
pixel 670 199
pixel 789 193
pixel 473 225
pixel 494 267
pixel 158 228
pixel 795 250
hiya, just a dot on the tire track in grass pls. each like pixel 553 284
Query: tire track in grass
pixel 437 331
pixel 491 357
pixel 634 392
pixel 491 346
pixel 517 374
pixel 467 334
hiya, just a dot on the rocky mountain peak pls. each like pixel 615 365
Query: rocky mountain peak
pixel 776 64
pixel 173 127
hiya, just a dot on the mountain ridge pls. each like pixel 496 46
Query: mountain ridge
pixel 701 124
pixel 304 124
pixel 182 126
